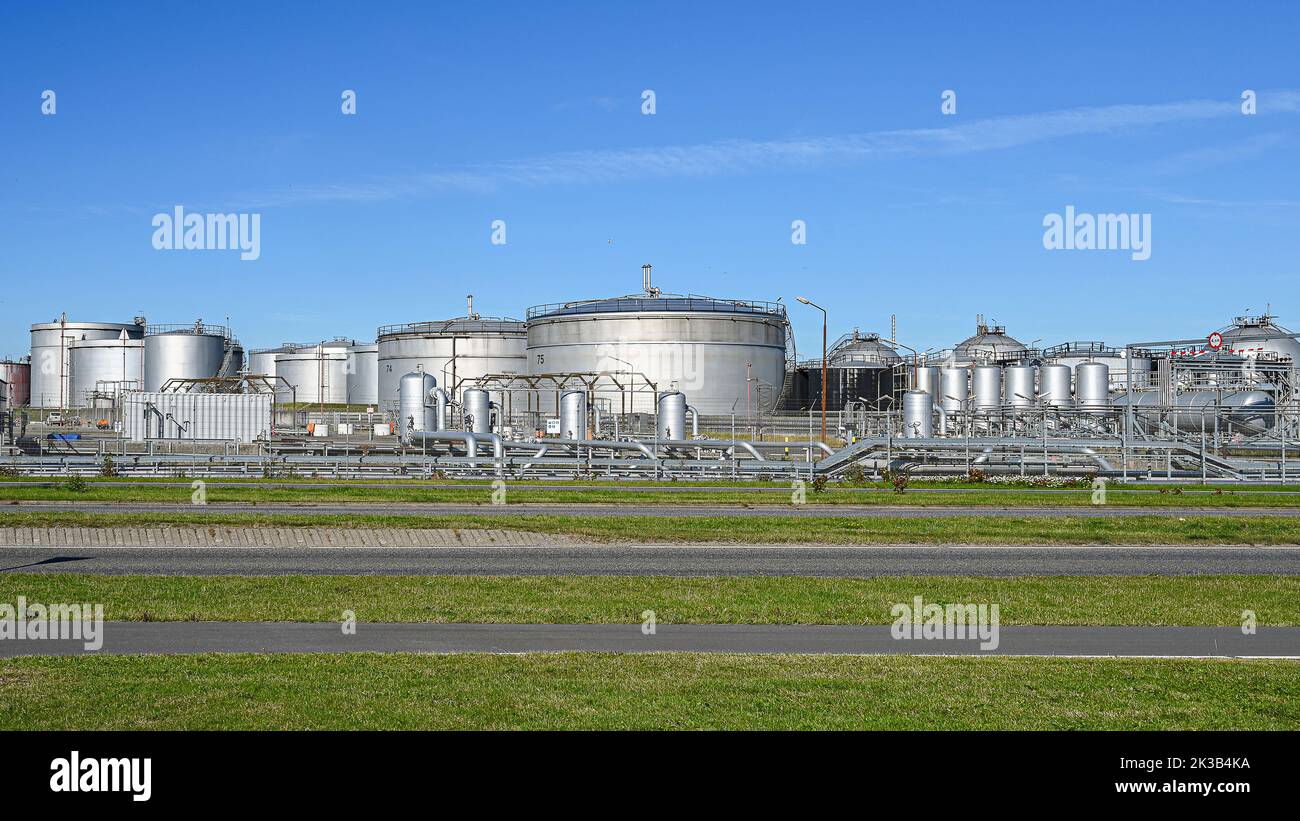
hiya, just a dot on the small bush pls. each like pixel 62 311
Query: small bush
pixel 819 484
pixel 76 484
pixel 899 481
pixel 108 470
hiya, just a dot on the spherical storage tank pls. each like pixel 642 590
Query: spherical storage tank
pixel 726 355
pixel 456 351
pixel 50 366
pixel 316 373
pixel 17 377
pixel 104 367
pixel 1279 341
pixel 363 374
pixel 195 351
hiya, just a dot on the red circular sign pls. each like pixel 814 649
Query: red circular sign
pixel 1216 340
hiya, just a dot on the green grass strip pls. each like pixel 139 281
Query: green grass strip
pixel 655 691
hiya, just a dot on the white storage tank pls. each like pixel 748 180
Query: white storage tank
pixel 50 368
pixel 476 407
pixel 104 368
pixel 1019 386
pixel 456 351
pixel 954 383
pixel 728 355
pixel 573 415
pixel 671 420
pixel 317 374
pixel 363 374
pixel 195 351
pixel 416 409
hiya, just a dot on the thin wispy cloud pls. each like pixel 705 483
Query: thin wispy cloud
pixel 731 157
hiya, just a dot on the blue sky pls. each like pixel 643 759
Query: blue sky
pixel 765 113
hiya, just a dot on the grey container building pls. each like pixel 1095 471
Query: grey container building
pixel 50 385
pixel 17 376
pixel 228 417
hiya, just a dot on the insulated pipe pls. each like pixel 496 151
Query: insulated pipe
pixel 695 420
pixel 440 396
pixel 466 439
pixel 943 420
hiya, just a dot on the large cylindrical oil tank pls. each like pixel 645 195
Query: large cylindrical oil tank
pixel 728 356
pixel 925 378
pixel 1247 412
pixel 458 351
pixel 318 373
pixel 1054 385
pixel 196 351
pixel 476 405
pixel 671 421
pixel 986 388
pixel 573 415
pixel 363 375
pixel 50 366
pixel 918 415
pixel 261 362
pixel 416 409
pixel 1019 385
pixel 954 384
pixel 17 376
pixel 1092 385
pixel 104 367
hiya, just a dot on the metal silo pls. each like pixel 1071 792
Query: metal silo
pixel 316 373
pixel 728 355
pixel 671 420
pixel 926 378
pixel 195 351
pixel 457 351
pixel 918 415
pixel 50 366
pixel 954 384
pixel 1019 386
pixel 573 415
pixel 363 375
pixel 102 368
pixel 1092 384
pixel 18 380
pixel 1054 386
pixel 416 411
pixel 476 406
pixel 986 388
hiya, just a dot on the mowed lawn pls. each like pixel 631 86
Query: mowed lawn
pixel 1063 600
pixel 654 691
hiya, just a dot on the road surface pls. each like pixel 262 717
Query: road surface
pixel 655 560
pixel 299 637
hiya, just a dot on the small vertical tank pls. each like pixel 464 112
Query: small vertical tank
pixel 927 378
pixel 1092 384
pixel 477 407
pixel 918 415
pixel 1054 386
pixel 671 423
pixel 573 415
pixel 1018 390
pixel 414 410
pixel 987 388
pixel 954 385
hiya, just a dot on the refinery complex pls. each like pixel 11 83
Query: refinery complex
pixel 650 384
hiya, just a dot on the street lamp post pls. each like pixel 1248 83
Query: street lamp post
pixel 824 323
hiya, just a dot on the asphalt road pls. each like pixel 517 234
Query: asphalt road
pixel 296 637
pixel 671 511
pixel 658 560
